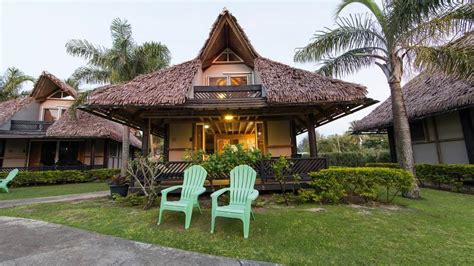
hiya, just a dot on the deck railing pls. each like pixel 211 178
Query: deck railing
pixel 227 92
pixel 299 166
pixel 25 125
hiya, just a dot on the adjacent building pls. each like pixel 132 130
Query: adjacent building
pixel 39 132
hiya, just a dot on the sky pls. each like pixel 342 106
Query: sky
pixel 33 34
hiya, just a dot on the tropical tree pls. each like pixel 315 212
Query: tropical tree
pixel 395 36
pixel 11 83
pixel 122 62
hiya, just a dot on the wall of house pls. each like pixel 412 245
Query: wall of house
pixel 180 140
pixel 15 153
pixel 56 103
pixel 30 112
pixel 220 69
pixel 98 152
pixel 278 138
pixel 443 141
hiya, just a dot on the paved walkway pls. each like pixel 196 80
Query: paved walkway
pixel 62 198
pixel 31 242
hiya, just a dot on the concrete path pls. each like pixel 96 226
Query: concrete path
pixel 31 242
pixel 62 198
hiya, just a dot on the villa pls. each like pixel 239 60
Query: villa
pixel 37 132
pixel 229 94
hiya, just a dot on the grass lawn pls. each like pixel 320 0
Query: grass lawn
pixel 54 190
pixel 436 230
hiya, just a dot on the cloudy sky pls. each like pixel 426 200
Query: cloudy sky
pixel 33 33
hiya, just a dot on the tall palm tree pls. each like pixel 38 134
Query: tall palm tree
pixel 122 62
pixel 397 35
pixel 11 83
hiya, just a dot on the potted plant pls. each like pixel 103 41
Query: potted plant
pixel 119 185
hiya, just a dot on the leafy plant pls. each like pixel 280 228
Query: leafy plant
pixel 11 83
pixel 144 170
pixel 280 168
pixel 119 180
pixel 131 200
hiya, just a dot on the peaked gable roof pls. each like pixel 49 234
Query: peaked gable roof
pixel 425 95
pixel 10 107
pixel 227 33
pixel 47 83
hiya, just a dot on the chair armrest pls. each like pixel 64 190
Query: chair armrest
pixel 165 191
pixel 254 195
pixel 200 191
pixel 219 192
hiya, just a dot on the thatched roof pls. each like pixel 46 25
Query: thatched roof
pixel 86 125
pixel 425 95
pixel 285 84
pixel 9 108
pixel 164 87
pixel 47 83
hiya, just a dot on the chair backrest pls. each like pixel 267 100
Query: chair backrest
pixel 242 181
pixel 11 175
pixel 194 178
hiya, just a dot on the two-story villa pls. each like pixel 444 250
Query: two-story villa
pixel 228 94
pixel 38 131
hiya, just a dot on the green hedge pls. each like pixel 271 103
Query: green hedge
pixel 448 174
pixel 356 158
pixel 335 185
pixel 34 178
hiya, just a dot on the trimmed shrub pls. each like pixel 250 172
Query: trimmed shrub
pixel 356 158
pixel 335 185
pixel 35 178
pixel 448 174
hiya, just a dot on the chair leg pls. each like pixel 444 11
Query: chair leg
pixel 246 222
pixel 159 216
pixel 213 222
pixel 4 188
pixel 189 215
pixel 199 207
pixel 253 215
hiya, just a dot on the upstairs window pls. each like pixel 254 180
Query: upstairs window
pixel 227 56
pixel 60 95
pixel 230 80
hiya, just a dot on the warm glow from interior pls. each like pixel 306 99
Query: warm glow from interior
pixel 228 117
pixel 206 126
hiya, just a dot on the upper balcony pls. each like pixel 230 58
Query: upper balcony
pixel 30 126
pixel 229 94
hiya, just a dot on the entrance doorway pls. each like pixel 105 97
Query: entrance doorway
pixel 213 137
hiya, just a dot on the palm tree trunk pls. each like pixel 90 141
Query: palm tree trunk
pixel 125 150
pixel 401 125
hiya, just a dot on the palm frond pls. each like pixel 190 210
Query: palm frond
pixel 78 101
pixel 353 32
pixel 453 59
pixel 96 55
pixel 91 74
pixel 121 29
pixel 12 82
pixel 347 63
pixel 370 4
pixel 151 56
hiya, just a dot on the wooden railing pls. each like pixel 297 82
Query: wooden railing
pixel 24 125
pixel 227 92
pixel 299 166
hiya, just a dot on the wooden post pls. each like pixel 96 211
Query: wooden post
pixel 146 138
pixel 294 150
pixel 468 132
pixel 391 145
pixel 92 162
pixel 125 150
pixel 106 153
pixel 166 143
pixel 313 149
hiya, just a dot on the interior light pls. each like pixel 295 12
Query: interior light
pixel 228 117
pixel 206 126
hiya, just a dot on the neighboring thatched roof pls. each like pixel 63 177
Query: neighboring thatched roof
pixel 9 108
pixel 164 87
pixel 425 95
pixel 86 125
pixel 285 84
pixel 47 83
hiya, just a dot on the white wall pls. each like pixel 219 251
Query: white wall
pixel 219 70
pixel 15 153
pixel 29 112
pixel 278 138
pixel 180 140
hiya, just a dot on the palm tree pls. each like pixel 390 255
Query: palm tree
pixel 122 62
pixel 11 83
pixel 398 34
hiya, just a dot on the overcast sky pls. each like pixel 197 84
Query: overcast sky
pixel 33 33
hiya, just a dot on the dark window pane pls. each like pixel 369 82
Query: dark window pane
pixel 417 131
pixel 50 114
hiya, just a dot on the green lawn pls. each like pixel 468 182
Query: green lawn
pixel 436 230
pixel 55 190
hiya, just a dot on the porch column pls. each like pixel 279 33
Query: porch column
pixel 313 149
pixel 391 145
pixel 106 153
pixel 92 163
pixel 294 150
pixel 166 143
pixel 146 138
pixel 468 132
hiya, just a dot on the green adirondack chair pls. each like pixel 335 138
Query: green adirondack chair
pixel 4 182
pixel 242 193
pixel 193 186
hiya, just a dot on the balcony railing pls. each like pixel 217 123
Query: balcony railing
pixel 24 125
pixel 227 92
